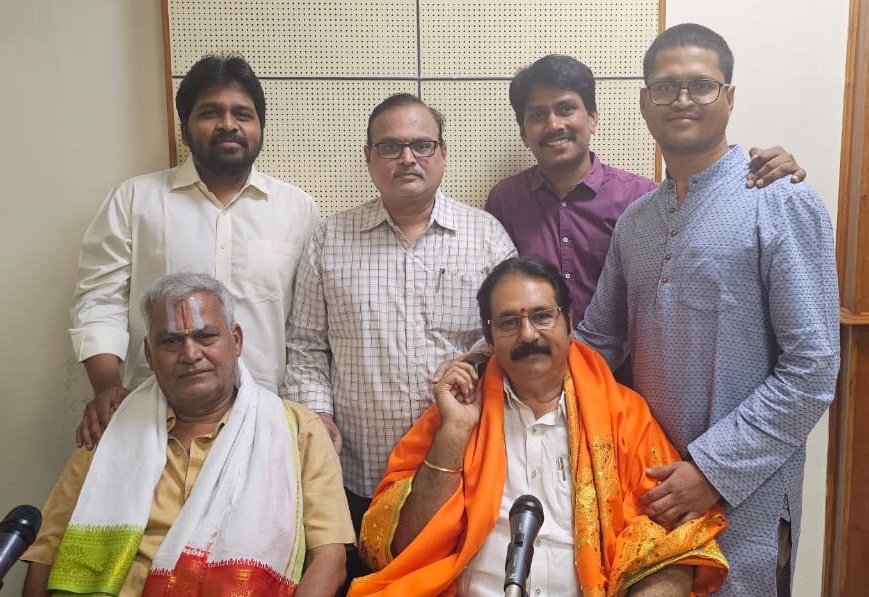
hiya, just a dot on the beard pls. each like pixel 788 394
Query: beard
pixel 215 159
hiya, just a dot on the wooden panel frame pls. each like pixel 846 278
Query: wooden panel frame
pixel 847 509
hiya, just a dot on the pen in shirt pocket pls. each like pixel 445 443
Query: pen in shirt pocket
pixel 440 277
pixel 559 465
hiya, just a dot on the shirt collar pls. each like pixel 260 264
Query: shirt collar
pixel 714 174
pixel 187 175
pixel 512 401
pixel 593 179
pixel 443 213
pixel 170 422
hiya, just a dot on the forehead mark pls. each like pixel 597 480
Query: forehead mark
pixel 184 316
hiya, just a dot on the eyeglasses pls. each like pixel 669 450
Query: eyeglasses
pixel 391 150
pixel 701 91
pixel 542 320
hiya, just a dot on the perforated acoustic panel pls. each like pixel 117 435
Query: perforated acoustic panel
pixel 495 37
pixel 325 65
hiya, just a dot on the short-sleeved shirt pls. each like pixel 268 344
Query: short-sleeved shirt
pixel 325 515
pixel 573 232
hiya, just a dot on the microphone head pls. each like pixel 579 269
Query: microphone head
pixel 24 520
pixel 527 503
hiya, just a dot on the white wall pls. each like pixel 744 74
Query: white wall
pixel 789 77
pixel 83 108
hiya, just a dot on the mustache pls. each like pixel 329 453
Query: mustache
pixel 682 114
pixel 217 139
pixel 526 350
pixel 558 135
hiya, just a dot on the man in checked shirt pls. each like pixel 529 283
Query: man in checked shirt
pixel 390 281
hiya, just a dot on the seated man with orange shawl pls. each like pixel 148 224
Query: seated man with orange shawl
pixel 550 421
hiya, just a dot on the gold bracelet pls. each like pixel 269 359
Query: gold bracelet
pixel 440 468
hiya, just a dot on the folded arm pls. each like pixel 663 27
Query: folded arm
pixel 688 553
pixel 433 484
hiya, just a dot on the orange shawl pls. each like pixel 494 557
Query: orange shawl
pixel 613 439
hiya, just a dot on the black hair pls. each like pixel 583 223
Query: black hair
pixel 553 70
pixel 403 99
pixel 218 70
pixel 523 267
pixel 690 34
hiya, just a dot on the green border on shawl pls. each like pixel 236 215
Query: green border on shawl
pixel 94 559
pixel 295 568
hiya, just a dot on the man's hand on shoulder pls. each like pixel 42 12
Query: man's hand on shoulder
pixel 332 430
pixel 97 414
pixel 683 493
pixel 768 165
pixel 442 368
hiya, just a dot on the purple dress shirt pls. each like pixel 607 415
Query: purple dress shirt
pixel 573 233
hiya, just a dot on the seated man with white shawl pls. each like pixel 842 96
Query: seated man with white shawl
pixel 204 483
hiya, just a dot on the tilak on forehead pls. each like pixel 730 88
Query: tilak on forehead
pixel 184 316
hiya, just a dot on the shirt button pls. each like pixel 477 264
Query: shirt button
pixel 567 276
pixel 668 256
pixel 537 542
pixel 672 233
pixel 537 591
pixel 534 474
pixel 672 209
pixel 564 204
pixel 564 239
pixel 664 279
pixel 670 185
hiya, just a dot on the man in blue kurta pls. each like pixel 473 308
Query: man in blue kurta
pixel 726 301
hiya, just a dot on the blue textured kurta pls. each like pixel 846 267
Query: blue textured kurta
pixel 728 307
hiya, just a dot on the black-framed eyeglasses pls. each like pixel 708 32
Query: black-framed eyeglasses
pixel 390 150
pixel 542 320
pixel 701 91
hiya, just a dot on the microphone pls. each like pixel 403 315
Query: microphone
pixel 17 531
pixel 526 518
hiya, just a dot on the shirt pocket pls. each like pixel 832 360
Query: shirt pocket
pixel 270 269
pixel 451 305
pixel 709 282
pixel 351 298
pixel 560 491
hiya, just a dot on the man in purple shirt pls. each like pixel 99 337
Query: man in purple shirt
pixel 564 208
